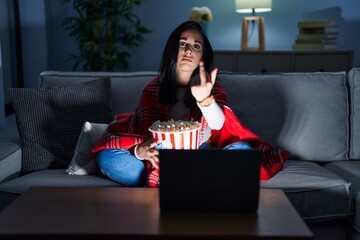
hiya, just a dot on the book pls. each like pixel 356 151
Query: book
pixel 325 40
pixel 316 36
pixel 313 46
pixel 329 41
pixel 318 23
pixel 320 30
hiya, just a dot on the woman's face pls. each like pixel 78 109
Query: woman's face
pixel 190 51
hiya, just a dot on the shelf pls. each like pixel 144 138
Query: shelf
pixel 283 60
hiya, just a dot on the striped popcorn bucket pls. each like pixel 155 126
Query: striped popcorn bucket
pixel 188 139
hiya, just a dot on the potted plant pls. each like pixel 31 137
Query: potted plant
pixel 107 32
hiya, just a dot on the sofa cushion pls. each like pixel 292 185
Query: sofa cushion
pixel 316 193
pixel 356 218
pixel 354 90
pixel 133 82
pixel 304 113
pixel 83 162
pixel 54 178
pixel 350 170
pixel 50 120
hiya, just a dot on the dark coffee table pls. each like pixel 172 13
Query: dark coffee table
pixel 133 213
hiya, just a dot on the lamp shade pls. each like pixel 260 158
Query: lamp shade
pixel 249 6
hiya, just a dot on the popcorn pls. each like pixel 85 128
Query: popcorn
pixel 177 134
pixel 174 126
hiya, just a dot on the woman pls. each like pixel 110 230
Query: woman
pixel 185 89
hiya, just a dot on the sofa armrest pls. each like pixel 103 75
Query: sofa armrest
pixel 10 160
pixel 10 134
pixel 10 154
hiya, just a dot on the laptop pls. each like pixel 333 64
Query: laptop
pixel 209 180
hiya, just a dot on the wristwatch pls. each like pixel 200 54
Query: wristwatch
pixel 206 101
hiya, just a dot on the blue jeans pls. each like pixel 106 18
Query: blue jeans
pixel 231 146
pixel 123 167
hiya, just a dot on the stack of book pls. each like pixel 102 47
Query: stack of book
pixel 319 34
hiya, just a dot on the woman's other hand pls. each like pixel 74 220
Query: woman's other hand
pixel 146 150
pixel 203 86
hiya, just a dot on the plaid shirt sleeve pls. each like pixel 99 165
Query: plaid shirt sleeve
pixel 116 135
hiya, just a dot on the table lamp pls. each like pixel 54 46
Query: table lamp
pixel 252 6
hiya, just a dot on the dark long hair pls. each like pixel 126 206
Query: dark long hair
pixel 168 77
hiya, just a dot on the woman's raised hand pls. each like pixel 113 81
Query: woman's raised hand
pixel 204 85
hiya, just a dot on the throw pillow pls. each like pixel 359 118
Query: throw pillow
pixel 83 162
pixel 50 120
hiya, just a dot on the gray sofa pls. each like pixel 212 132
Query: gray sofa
pixel 315 116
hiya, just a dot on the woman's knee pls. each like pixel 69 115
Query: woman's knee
pixel 241 145
pixel 120 166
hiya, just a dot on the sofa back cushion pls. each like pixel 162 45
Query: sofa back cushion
pixel 126 88
pixel 304 113
pixel 354 86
